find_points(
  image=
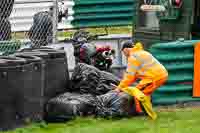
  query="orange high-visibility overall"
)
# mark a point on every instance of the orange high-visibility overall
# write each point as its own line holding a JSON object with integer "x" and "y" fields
{"x": 143, "y": 66}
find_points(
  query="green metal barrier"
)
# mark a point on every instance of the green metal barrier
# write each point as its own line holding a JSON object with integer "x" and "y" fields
{"x": 181, "y": 43}
{"x": 103, "y": 15}
{"x": 94, "y": 2}
{"x": 178, "y": 58}
{"x": 174, "y": 56}
{"x": 176, "y": 65}
{"x": 95, "y": 13}
{"x": 174, "y": 88}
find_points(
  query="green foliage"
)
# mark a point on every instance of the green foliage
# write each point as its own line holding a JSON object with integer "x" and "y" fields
{"x": 9, "y": 47}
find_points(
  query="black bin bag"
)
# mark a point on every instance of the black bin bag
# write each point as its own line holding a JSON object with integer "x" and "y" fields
{"x": 107, "y": 82}
{"x": 89, "y": 79}
{"x": 85, "y": 79}
{"x": 115, "y": 105}
{"x": 70, "y": 105}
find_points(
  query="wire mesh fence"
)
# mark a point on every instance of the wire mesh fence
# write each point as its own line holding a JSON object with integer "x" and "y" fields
{"x": 5, "y": 26}
{"x": 41, "y": 32}
{"x": 33, "y": 22}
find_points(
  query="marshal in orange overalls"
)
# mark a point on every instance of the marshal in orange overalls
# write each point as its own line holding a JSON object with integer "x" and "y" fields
{"x": 144, "y": 67}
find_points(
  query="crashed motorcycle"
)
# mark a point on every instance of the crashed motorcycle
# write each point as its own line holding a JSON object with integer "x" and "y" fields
{"x": 85, "y": 51}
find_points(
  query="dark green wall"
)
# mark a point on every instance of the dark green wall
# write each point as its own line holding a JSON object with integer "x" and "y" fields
{"x": 95, "y": 13}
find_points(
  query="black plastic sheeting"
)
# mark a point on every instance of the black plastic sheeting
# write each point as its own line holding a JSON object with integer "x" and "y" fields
{"x": 70, "y": 105}
{"x": 107, "y": 82}
{"x": 91, "y": 94}
{"x": 115, "y": 105}
{"x": 85, "y": 79}
{"x": 88, "y": 79}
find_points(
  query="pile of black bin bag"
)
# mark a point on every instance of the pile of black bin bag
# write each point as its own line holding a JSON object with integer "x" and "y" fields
{"x": 36, "y": 86}
{"x": 91, "y": 93}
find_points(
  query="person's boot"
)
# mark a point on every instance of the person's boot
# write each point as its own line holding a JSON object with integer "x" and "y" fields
{"x": 145, "y": 100}
{"x": 148, "y": 107}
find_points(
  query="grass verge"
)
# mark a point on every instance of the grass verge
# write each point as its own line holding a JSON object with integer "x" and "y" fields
{"x": 69, "y": 33}
{"x": 169, "y": 121}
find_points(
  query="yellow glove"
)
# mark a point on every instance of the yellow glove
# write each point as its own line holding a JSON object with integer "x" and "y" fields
{"x": 145, "y": 100}
{"x": 133, "y": 91}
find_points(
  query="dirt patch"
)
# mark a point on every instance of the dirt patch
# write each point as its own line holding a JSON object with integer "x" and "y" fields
{"x": 185, "y": 106}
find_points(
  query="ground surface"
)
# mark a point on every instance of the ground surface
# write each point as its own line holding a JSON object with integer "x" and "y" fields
{"x": 170, "y": 120}
{"x": 68, "y": 33}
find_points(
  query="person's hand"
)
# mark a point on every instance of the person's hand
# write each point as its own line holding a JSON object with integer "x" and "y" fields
{"x": 117, "y": 90}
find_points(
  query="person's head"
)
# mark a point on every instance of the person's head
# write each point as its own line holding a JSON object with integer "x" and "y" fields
{"x": 126, "y": 47}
